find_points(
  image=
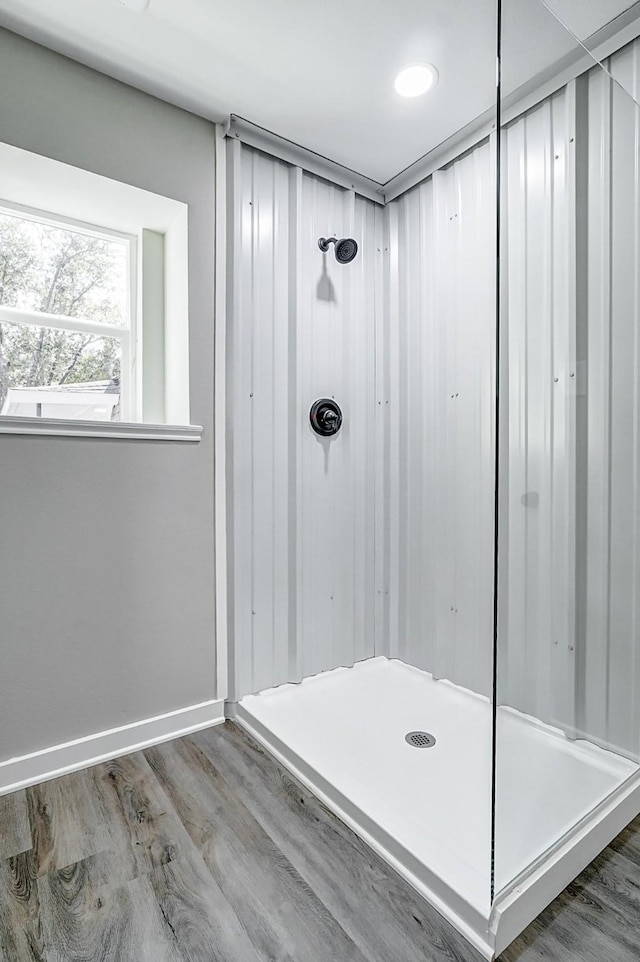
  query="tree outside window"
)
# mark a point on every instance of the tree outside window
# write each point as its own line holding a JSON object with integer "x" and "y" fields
{"x": 74, "y": 279}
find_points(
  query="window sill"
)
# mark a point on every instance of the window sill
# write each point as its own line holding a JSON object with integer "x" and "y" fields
{"x": 117, "y": 430}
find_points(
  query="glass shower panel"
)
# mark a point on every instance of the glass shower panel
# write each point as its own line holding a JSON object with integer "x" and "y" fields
{"x": 435, "y": 383}
{"x": 371, "y": 549}
{"x": 600, "y": 28}
{"x": 568, "y": 655}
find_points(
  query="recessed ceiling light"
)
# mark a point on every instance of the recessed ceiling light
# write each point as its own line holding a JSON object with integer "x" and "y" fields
{"x": 416, "y": 79}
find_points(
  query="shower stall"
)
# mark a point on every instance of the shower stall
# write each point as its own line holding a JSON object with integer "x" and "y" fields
{"x": 433, "y": 471}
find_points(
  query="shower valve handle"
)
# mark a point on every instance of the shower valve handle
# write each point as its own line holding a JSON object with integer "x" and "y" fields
{"x": 328, "y": 418}
{"x": 325, "y": 417}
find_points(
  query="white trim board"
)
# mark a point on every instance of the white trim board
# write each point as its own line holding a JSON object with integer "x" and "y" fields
{"x": 276, "y": 146}
{"x": 48, "y": 763}
{"x": 220, "y": 418}
{"x": 463, "y": 917}
{"x": 116, "y": 430}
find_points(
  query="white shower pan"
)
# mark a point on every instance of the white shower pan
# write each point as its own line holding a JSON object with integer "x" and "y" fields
{"x": 427, "y": 810}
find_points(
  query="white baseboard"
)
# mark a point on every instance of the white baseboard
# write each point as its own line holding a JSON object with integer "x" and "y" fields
{"x": 58, "y": 760}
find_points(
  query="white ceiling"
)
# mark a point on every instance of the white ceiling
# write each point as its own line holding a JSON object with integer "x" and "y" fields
{"x": 584, "y": 17}
{"x": 319, "y": 72}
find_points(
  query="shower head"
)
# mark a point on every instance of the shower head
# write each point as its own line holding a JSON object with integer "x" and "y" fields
{"x": 345, "y": 248}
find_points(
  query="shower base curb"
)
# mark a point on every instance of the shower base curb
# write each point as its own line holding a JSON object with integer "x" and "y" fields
{"x": 464, "y": 917}
{"x": 516, "y": 907}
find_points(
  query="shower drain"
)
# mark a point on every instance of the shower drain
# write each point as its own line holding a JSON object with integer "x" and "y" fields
{"x": 420, "y": 739}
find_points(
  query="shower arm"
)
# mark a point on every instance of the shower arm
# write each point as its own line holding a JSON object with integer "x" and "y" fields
{"x": 324, "y": 242}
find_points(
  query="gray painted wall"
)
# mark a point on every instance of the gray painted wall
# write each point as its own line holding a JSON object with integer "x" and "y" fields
{"x": 106, "y": 547}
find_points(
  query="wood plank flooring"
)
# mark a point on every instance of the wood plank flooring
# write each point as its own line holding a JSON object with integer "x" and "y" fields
{"x": 204, "y": 850}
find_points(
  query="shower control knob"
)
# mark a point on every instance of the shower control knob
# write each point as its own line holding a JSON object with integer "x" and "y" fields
{"x": 325, "y": 417}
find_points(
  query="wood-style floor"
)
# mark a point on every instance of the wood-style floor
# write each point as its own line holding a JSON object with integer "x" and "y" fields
{"x": 203, "y": 849}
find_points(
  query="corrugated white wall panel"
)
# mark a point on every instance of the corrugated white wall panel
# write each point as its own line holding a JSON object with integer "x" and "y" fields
{"x": 336, "y": 359}
{"x": 609, "y": 695}
{"x": 441, "y": 390}
{"x": 301, "y": 326}
{"x": 381, "y": 541}
{"x": 569, "y": 647}
{"x": 259, "y": 400}
{"x": 536, "y": 658}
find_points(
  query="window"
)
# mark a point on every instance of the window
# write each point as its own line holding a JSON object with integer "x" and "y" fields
{"x": 94, "y": 304}
{"x": 67, "y": 319}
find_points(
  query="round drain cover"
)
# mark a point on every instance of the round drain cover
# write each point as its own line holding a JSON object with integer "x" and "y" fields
{"x": 420, "y": 739}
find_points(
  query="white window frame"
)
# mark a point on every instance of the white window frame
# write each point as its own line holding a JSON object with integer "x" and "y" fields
{"x": 129, "y": 333}
{"x": 160, "y": 397}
